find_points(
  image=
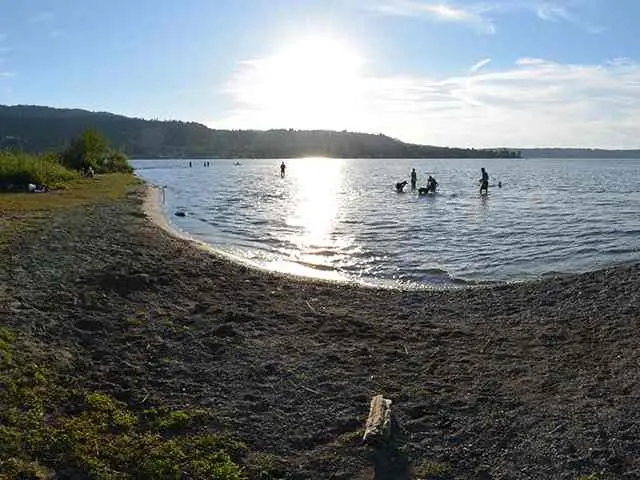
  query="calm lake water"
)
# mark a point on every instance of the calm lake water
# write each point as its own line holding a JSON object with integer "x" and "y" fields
{"x": 342, "y": 218}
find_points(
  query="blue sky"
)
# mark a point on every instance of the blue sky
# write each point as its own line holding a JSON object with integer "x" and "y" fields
{"x": 460, "y": 73}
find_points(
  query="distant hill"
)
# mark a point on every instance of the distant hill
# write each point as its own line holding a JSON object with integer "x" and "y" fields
{"x": 35, "y": 129}
{"x": 577, "y": 153}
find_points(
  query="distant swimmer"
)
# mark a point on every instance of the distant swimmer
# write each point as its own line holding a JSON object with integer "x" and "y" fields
{"x": 484, "y": 182}
{"x": 414, "y": 178}
{"x": 283, "y": 167}
{"x": 400, "y": 186}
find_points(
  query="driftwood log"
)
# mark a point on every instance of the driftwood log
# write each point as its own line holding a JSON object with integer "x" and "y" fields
{"x": 378, "y": 425}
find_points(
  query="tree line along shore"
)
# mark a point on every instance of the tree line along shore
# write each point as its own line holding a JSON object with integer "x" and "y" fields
{"x": 34, "y": 129}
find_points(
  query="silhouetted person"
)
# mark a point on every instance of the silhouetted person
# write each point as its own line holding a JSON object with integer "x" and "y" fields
{"x": 431, "y": 184}
{"x": 414, "y": 178}
{"x": 190, "y": 164}
{"x": 283, "y": 167}
{"x": 400, "y": 186}
{"x": 484, "y": 182}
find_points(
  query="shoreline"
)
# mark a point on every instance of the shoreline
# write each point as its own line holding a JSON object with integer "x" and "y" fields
{"x": 152, "y": 207}
{"x": 300, "y": 270}
{"x": 486, "y": 383}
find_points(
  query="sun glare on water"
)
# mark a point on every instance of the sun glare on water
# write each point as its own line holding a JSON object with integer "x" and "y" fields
{"x": 309, "y": 84}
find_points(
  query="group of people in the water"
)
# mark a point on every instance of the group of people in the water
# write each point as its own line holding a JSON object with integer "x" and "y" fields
{"x": 429, "y": 189}
{"x": 206, "y": 163}
{"x": 432, "y": 184}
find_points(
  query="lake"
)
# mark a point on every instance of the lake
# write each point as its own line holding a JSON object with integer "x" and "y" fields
{"x": 342, "y": 219}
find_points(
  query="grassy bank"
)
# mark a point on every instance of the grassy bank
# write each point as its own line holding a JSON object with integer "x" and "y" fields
{"x": 19, "y": 169}
{"x": 89, "y": 152}
{"x": 51, "y": 425}
{"x": 19, "y": 211}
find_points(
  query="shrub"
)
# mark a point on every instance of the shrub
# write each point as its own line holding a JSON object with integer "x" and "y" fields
{"x": 92, "y": 149}
{"x": 19, "y": 169}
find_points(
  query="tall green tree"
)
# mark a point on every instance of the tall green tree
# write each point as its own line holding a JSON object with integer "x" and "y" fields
{"x": 92, "y": 149}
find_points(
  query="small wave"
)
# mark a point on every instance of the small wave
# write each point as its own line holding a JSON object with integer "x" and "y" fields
{"x": 317, "y": 266}
{"x": 620, "y": 251}
{"x": 322, "y": 252}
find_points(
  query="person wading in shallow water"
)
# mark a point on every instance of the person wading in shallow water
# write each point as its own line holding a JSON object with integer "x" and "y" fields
{"x": 414, "y": 178}
{"x": 484, "y": 182}
{"x": 283, "y": 167}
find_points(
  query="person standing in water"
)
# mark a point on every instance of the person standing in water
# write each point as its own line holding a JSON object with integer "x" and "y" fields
{"x": 414, "y": 178}
{"x": 484, "y": 182}
{"x": 283, "y": 167}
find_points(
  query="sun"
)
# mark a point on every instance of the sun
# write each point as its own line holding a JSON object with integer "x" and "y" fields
{"x": 309, "y": 83}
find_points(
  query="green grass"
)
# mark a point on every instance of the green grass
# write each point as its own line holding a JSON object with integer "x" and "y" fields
{"x": 46, "y": 428}
{"x": 21, "y": 168}
{"x": 77, "y": 192}
{"x": 18, "y": 211}
{"x": 427, "y": 469}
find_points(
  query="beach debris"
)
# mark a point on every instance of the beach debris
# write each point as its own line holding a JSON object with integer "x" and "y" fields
{"x": 378, "y": 426}
{"x": 180, "y": 213}
{"x": 310, "y": 307}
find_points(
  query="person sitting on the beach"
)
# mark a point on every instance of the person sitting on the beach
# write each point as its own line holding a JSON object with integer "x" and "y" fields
{"x": 34, "y": 188}
{"x": 431, "y": 184}
{"x": 400, "y": 186}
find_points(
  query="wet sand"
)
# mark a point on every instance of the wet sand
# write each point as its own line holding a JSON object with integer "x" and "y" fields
{"x": 536, "y": 380}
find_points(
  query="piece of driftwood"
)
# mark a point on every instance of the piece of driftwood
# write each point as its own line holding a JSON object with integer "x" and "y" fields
{"x": 378, "y": 425}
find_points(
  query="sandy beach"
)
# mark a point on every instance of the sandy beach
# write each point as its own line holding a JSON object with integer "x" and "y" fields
{"x": 535, "y": 380}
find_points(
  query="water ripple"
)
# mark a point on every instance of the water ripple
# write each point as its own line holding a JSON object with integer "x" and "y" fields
{"x": 344, "y": 216}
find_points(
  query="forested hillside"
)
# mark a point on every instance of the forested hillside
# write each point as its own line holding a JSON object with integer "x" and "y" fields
{"x": 36, "y": 129}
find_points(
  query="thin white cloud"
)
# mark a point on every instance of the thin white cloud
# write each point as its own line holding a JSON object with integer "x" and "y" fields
{"x": 553, "y": 12}
{"x": 5, "y": 75}
{"x": 482, "y": 15}
{"x": 477, "y": 66}
{"x": 439, "y": 11}
{"x": 535, "y": 102}
{"x": 530, "y": 61}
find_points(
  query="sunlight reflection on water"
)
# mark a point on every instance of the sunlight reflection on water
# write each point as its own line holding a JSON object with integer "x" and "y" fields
{"x": 342, "y": 219}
